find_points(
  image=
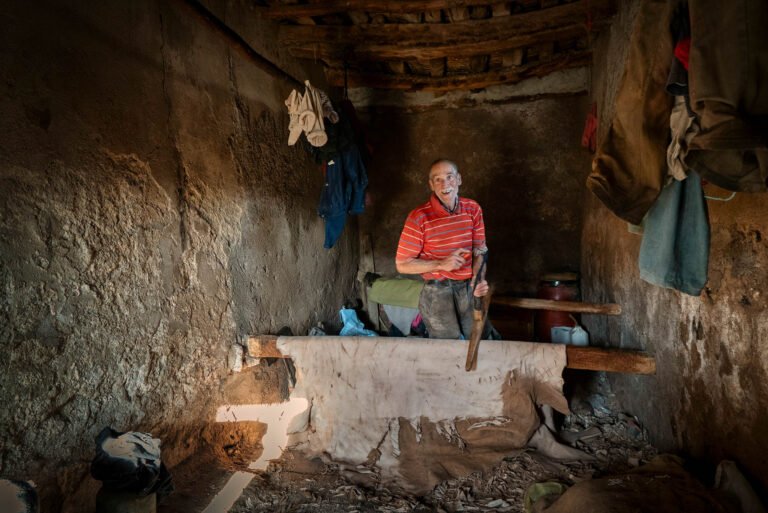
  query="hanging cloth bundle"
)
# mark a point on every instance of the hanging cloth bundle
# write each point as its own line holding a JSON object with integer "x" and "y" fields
{"x": 307, "y": 112}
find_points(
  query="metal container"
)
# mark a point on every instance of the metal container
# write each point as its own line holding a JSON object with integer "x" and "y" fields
{"x": 557, "y": 287}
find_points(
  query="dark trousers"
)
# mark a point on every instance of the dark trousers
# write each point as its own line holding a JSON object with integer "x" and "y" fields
{"x": 446, "y": 307}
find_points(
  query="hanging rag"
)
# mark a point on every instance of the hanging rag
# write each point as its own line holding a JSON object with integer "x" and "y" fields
{"x": 311, "y": 116}
{"x": 674, "y": 252}
{"x": 306, "y": 113}
{"x": 684, "y": 128}
{"x": 293, "y": 103}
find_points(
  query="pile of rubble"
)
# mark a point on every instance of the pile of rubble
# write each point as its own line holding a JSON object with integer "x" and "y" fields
{"x": 614, "y": 442}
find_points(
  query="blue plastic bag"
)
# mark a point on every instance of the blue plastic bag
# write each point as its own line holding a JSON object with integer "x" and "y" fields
{"x": 352, "y": 325}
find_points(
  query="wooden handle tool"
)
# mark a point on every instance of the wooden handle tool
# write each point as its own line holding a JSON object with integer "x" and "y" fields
{"x": 479, "y": 313}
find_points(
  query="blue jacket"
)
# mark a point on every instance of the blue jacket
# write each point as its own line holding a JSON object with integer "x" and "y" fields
{"x": 343, "y": 192}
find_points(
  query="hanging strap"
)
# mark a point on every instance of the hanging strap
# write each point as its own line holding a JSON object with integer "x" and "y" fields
{"x": 346, "y": 89}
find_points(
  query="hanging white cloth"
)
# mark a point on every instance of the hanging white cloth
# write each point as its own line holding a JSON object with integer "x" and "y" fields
{"x": 312, "y": 117}
{"x": 294, "y": 126}
{"x": 307, "y": 112}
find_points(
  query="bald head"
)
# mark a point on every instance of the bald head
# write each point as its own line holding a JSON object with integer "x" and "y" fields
{"x": 444, "y": 162}
{"x": 444, "y": 181}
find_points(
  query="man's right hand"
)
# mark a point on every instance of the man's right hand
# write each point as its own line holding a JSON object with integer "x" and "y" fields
{"x": 455, "y": 260}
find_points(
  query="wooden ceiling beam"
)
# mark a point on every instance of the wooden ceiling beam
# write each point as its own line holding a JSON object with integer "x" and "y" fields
{"x": 335, "y": 76}
{"x": 458, "y": 14}
{"x": 500, "y": 9}
{"x": 432, "y": 68}
{"x": 359, "y": 18}
{"x": 430, "y": 34}
{"x": 294, "y": 11}
{"x": 330, "y": 52}
{"x": 435, "y": 16}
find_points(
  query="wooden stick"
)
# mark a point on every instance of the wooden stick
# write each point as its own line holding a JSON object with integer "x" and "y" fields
{"x": 559, "y": 306}
{"x": 584, "y": 358}
{"x": 478, "y": 323}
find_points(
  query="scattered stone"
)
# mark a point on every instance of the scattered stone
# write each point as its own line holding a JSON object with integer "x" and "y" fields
{"x": 250, "y": 361}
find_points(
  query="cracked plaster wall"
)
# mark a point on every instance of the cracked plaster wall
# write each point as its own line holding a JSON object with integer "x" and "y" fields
{"x": 710, "y": 394}
{"x": 151, "y": 214}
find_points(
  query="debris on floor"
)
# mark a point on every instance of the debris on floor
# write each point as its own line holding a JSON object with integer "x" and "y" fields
{"x": 618, "y": 442}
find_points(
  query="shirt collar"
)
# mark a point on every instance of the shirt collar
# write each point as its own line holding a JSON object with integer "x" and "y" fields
{"x": 440, "y": 209}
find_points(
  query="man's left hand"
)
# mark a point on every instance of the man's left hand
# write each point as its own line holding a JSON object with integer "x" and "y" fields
{"x": 481, "y": 289}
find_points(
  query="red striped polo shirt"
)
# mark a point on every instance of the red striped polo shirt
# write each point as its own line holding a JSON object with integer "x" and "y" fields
{"x": 433, "y": 233}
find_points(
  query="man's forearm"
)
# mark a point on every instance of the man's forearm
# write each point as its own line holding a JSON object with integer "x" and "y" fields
{"x": 417, "y": 266}
{"x": 477, "y": 262}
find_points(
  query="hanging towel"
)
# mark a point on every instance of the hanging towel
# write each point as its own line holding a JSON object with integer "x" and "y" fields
{"x": 675, "y": 248}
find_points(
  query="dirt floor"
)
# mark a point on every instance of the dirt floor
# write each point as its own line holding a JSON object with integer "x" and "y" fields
{"x": 617, "y": 442}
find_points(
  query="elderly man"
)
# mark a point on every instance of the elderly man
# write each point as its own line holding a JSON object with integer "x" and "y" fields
{"x": 444, "y": 241}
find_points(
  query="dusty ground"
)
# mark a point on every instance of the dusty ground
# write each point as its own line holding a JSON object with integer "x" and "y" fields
{"x": 618, "y": 443}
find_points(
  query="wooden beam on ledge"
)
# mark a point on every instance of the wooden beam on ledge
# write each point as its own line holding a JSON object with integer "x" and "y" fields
{"x": 559, "y": 306}
{"x": 326, "y": 7}
{"x": 335, "y": 76}
{"x": 263, "y": 346}
{"x": 583, "y": 358}
{"x": 610, "y": 360}
{"x": 432, "y": 34}
{"x": 329, "y": 52}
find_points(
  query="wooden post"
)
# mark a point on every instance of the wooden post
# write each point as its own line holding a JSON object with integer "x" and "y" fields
{"x": 365, "y": 266}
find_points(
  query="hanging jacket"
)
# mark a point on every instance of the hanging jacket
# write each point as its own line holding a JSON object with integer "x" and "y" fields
{"x": 630, "y": 166}
{"x": 343, "y": 192}
{"x": 727, "y": 74}
{"x": 345, "y": 173}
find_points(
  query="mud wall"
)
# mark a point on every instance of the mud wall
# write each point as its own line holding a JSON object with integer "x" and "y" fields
{"x": 151, "y": 215}
{"x": 522, "y": 162}
{"x": 709, "y": 396}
